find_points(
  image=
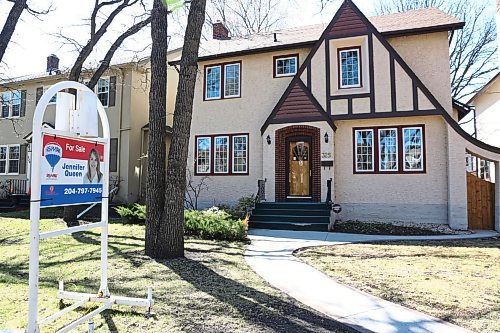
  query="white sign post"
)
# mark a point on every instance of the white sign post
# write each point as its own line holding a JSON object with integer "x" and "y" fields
{"x": 70, "y": 166}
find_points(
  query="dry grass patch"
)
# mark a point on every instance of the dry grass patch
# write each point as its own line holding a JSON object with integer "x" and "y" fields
{"x": 212, "y": 289}
{"x": 458, "y": 281}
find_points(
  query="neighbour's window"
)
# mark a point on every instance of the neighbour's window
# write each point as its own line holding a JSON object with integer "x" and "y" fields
{"x": 103, "y": 91}
{"x": 228, "y": 154}
{"x": 9, "y": 159}
{"x": 53, "y": 99}
{"x": 388, "y": 149}
{"x": 203, "y": 148}
{"x": 240, "y": 154}
{"x": 484, "y": 170}
{"x": 350, "y": 68}
{"x": 224, "y": 78}
{"x": 398, "y": 149}
{"x": 11, "y": 103}
{"x": 364, "y": 150}
{"x": 413, "y": 149}
{"x": 285, "y": 66}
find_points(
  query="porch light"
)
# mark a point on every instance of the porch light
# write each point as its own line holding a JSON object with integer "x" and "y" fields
{"x": 268, "y": 139}
{"x": 326, "y": 137}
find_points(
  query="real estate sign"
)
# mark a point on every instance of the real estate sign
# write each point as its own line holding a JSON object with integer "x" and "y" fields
{"x": 72, "y": 171}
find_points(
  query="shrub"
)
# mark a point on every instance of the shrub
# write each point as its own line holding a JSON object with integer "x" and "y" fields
{"x": 132, "y": 213}
{"x": 241, "y": 209}
{"x": 214, "y": 223}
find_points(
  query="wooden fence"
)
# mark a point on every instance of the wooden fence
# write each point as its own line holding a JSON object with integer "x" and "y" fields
{"x": 480, "y": 203}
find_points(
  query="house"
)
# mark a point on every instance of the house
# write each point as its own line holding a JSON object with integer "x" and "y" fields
{"x": 123, "y": 91}
{"x": 358, "y": 111}
{"x": 483, "y": 123}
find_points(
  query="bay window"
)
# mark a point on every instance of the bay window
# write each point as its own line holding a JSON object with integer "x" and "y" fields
{"x": 221, "y": 154}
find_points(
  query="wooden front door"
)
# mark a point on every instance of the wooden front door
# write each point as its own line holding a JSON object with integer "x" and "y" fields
{"x": 480, "y": 203}
{"x": 299, "y": 168}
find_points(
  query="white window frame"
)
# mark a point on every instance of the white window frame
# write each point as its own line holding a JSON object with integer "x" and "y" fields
{"x": 228, "y": 153}
{"x": 356, "y": 150}
{"x": 342, "y": 86}
{"x": 209, "y": 156}
{"x": 96, "y": 89}
{"x": 7, "y": 160}
{"x": 233, "y": 156}
{"x": 422, "y": 139}
{"x": 285, "y": 58}
{"x": 380, "y": 150}
{"x": 220, "y": 82}
{"x": 11, "y": 103}
{"x": 239, "y": 80}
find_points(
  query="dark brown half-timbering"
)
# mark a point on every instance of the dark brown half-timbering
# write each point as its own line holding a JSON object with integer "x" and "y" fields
{"x": 280, "y": 156}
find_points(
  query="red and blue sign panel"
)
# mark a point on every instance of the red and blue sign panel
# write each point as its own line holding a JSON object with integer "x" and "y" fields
{"x": 72, "y": 171}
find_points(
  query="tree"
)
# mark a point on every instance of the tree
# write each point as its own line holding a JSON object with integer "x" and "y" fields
{"x": 97, "y": 32}
{"x": 243, "y": 17}
{"x": 165, "y": 237}
{"x": 11, "y": 22}
{"x": 471, "y": 49}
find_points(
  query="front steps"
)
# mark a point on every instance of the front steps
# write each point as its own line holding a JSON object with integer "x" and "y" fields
{"x": 302, "y": 216}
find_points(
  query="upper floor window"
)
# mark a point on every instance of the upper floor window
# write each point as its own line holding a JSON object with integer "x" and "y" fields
{"x": 285, "y": 65}
{"x": 350, "y": 68}
{"x": 11, "y": 104}
{"x": 398, "y": 149}
{"x": 103, "y": 91}
{"x": 223, "y": 81}
{"x": 53, "y": 99}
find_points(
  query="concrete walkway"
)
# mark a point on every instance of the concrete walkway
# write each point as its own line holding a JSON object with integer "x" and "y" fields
{"x": 270, "y": 255}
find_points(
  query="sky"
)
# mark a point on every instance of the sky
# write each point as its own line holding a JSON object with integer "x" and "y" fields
{"x": 36, "y": 38}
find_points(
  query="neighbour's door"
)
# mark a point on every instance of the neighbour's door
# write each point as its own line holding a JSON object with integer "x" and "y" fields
{"x": 299, "y": 168}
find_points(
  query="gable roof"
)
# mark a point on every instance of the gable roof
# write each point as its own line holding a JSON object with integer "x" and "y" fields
{"x": 399, "y": 24}
{"x": 484, "y": 88}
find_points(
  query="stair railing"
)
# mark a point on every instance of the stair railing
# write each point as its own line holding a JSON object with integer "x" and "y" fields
{"x": 261, "y": 190}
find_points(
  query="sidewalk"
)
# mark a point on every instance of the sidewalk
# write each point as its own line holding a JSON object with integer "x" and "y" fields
{"x": 270, "y": 255}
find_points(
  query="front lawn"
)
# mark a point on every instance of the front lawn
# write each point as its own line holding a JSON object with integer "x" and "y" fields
{"x": 455, "y": 280}
{"x": 211, "y": 290}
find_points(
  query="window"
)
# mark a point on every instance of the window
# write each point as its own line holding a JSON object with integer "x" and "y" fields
{"x": 11, "y": 104}
{"x": 484, "y": 170}
{"x": 388, "y": 149}
{"x": 240, "y": 154}
{"x": 9, "y": 159}
{"x": 364, "y": 150}
{"x": 221, "y": 154}
{"x": 285, "y": 65}
{"x": 413, "y": 149}
{"x": 221, "y": 158}
{"x": 349, "y": 68}
{"x": 203, "y": 148}
{"x": 397, "y": 149}
{"x": 223, "y": 81}
{"x": 103, "y": 91}
{"x": 53, "y": 100}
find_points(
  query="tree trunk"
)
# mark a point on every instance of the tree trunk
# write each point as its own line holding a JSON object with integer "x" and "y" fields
{"x": 155, "y": 189}
{"x": 170, "y": 235}
{"x": 10, "y": 25}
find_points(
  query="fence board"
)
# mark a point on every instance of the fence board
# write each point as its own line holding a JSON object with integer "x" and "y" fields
{"x": 480, "y": 203}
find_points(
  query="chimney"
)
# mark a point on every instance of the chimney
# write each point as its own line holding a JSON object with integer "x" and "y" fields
{"x": 52, "y": 64}
{"x": 220, "y": 32}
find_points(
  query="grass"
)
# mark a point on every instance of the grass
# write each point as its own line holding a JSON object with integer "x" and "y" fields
{"x": 455, "y": 280}
{"x": 212, "y": 289}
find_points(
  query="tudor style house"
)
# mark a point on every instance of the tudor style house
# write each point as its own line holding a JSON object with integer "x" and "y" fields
{"x": 122, "y": 90}
{"x": 357, "y": 111}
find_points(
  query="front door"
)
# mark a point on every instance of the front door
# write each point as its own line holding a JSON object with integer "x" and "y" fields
{"x": 299, "y": 168}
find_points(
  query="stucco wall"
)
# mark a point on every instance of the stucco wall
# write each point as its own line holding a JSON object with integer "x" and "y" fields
{"x": 428, "y": 56}
{"x": 397, "y": 197}
{"x": 259, "y": 94}
{"x": 487, "y": 115}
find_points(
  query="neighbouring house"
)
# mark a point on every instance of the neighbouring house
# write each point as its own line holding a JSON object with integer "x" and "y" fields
{"x": 123, "y": 91}
{"x": 483, "y": 122}
{"x": 358, "y": 111}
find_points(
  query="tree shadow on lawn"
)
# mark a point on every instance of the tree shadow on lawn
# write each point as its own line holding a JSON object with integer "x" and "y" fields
{"x": 267, "y": 311}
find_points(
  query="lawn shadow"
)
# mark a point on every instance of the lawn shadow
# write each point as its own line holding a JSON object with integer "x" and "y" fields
{"x": 268, "y": 311}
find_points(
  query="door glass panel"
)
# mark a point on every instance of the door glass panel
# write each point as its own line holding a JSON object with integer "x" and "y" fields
{"x": 299, "y": 168}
